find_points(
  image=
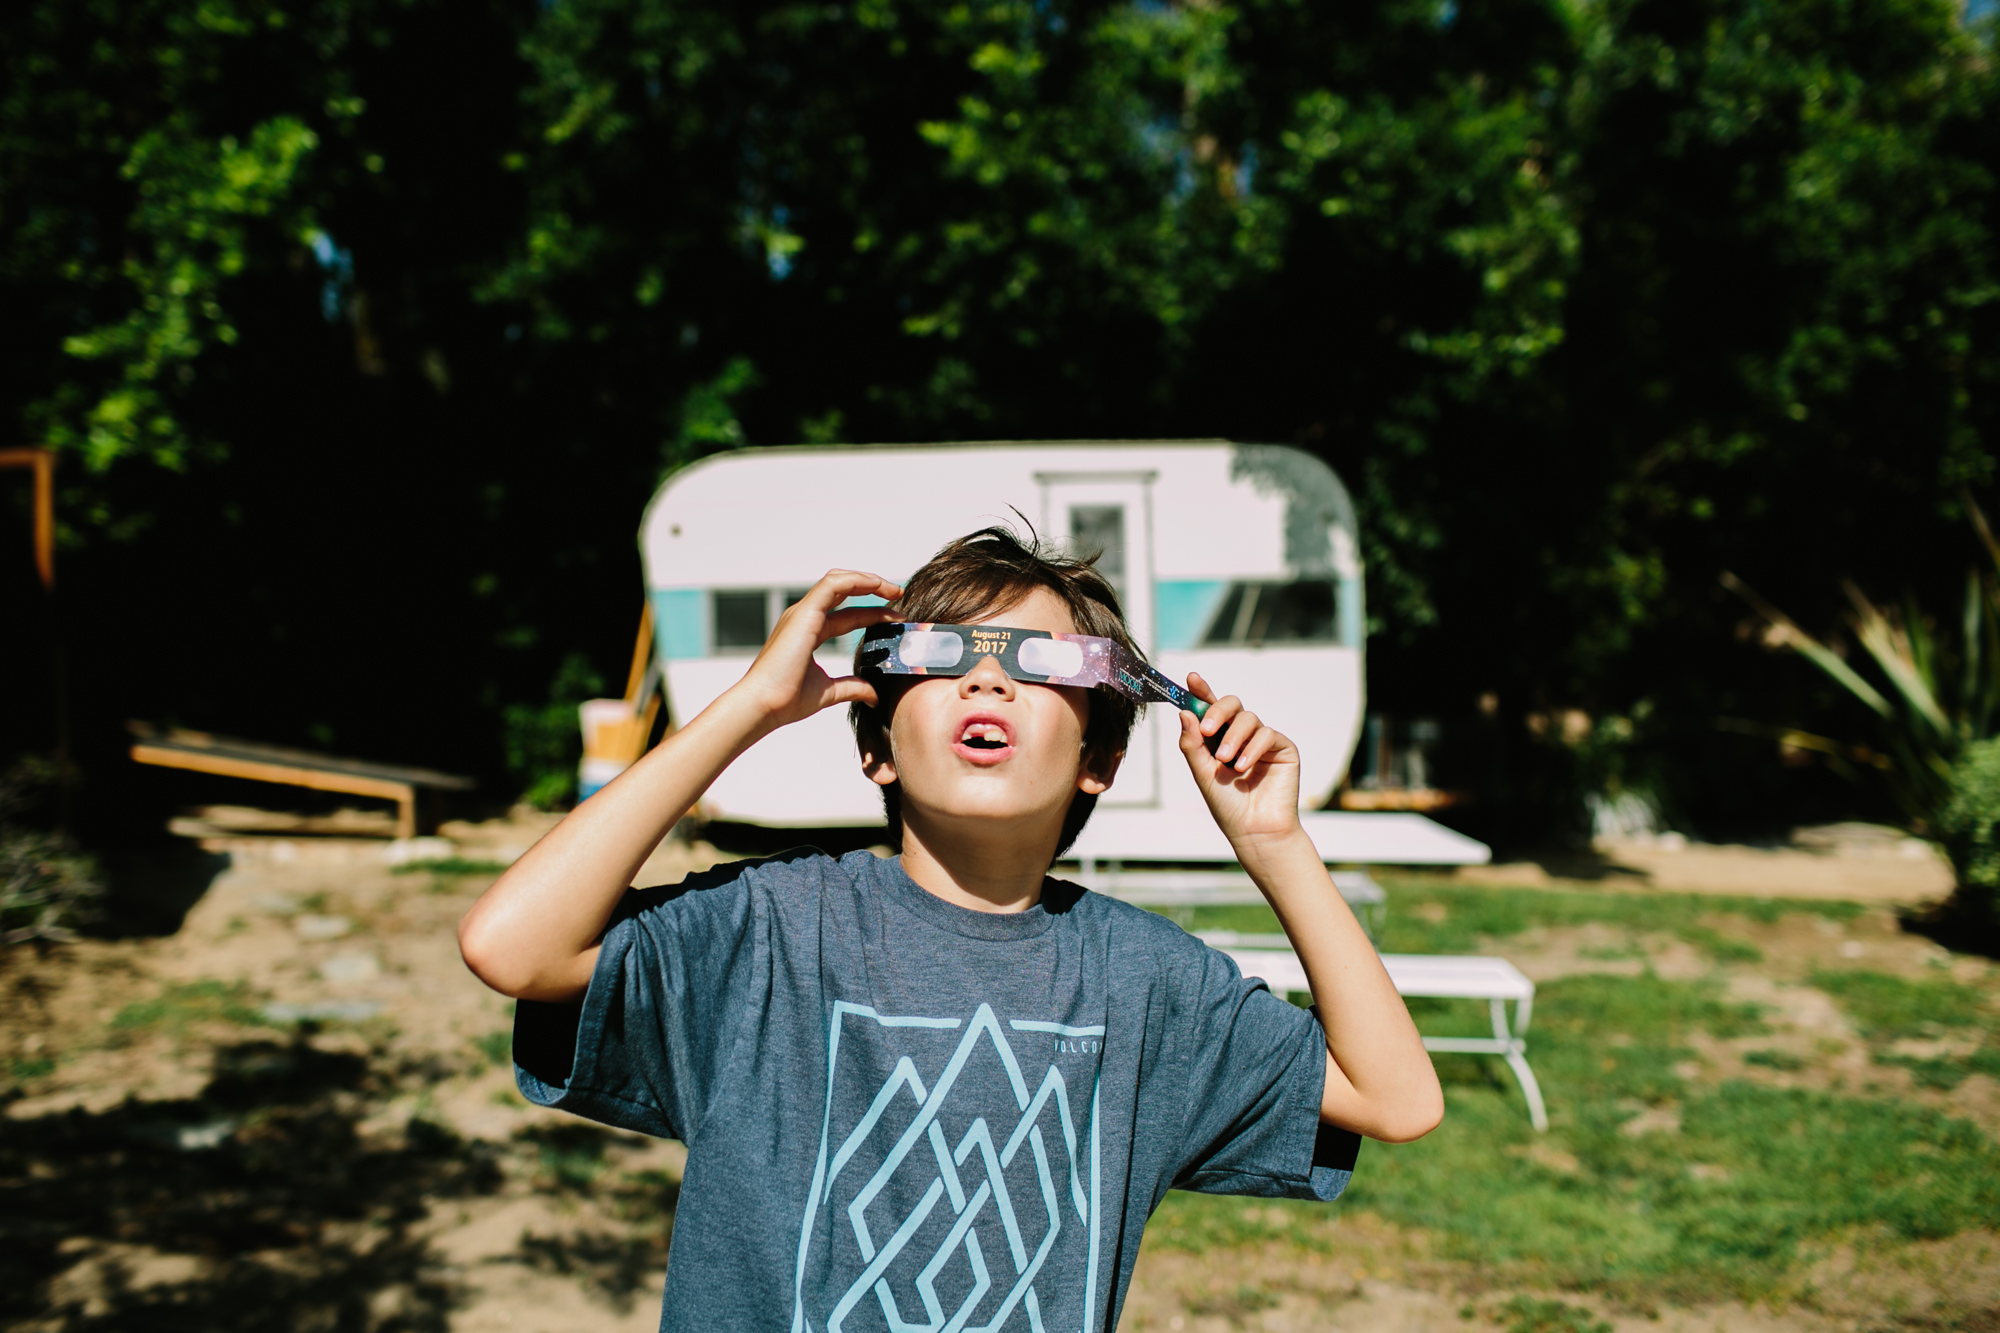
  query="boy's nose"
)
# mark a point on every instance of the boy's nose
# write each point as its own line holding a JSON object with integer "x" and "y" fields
{"x": 986, "y": 678}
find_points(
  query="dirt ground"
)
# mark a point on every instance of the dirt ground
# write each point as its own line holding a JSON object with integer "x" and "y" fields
{"x": 1850, "y": 862}
{"x": 295, "y": 1112}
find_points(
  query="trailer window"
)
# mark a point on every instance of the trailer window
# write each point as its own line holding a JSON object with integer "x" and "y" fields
{"x": 742, "y": 620}
{"x": 1099, "y": 530}
{"x": 1258, "y": 613}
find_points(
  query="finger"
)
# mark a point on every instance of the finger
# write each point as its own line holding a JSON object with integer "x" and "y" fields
{"x": 854, "y": 580}
{"x": 1241, "y": 728}
{"x": 1260, "y": 745}
{"x": 837, "y": 585}
{"x": 851, "y": 690}
{"x": 1199, "y": 749}
{"x": 1209, "y": 725}
{"x": 851, "y": 618}
{"x": 1220, "y": 716}
{"x": 832, "y": 623}
{"x": 1219, "y": 713}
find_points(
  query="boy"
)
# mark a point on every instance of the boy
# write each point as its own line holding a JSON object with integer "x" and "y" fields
{"x": 943, "y": 1091}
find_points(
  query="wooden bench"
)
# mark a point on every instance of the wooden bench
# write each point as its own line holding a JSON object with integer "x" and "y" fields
{"x": 1434, "y": 976}
{"x": 200, "y": 752}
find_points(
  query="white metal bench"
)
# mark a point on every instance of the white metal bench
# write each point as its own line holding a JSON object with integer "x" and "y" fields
{"x": 1177, "y": 892}
{"x": 1436, "y": 976}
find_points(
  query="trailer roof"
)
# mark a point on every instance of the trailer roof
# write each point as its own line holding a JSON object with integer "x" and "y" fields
{"x": 772, "y": 514}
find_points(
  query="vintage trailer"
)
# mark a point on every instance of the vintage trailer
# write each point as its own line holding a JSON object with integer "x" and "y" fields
{"x": 1235, "y": 560}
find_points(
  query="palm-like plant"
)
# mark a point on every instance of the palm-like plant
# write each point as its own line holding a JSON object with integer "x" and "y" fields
{"x": 1926, "y": 718}
{"x": 1936, "y": 699}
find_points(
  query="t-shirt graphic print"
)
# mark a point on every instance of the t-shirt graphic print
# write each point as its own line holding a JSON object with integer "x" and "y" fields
{"x": 970, "y": 1172}
{"x": 901, "y": 1114}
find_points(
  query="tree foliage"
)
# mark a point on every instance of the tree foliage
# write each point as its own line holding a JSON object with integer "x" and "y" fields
{"x": 1585, "y": 302}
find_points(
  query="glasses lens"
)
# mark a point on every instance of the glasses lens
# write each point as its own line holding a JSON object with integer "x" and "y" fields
{"x": 1051, "y": 657}
{"x": 930, "y": 648}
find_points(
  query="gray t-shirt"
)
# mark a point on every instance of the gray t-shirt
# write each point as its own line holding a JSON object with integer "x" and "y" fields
{"x": 901, "y": 1114}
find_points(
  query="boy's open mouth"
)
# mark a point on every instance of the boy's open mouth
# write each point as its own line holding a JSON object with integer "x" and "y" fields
{"x": 983, "y": 740}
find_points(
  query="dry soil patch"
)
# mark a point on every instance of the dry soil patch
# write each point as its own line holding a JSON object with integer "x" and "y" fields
{"x": 541, "y": 1224}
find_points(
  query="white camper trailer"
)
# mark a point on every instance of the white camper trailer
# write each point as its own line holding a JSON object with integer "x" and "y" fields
{"x": 1235, "y": 560}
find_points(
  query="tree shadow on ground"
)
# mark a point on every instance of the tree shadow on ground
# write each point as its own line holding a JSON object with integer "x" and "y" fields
{"x": 1966, "y": 922}
{"x": 1586, "y": 864}
{"x": 612, "y": 1268}
{"x": 575, "y": 1159}
{"x": 149, "y": 891}
{"x": 257, "y": 1205}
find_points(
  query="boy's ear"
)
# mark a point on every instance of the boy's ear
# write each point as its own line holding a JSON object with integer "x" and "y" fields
{"x": 1094, "y": 776}
{"x": 876, "y": 763}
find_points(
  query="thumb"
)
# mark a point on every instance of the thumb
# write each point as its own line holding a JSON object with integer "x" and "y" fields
{"x": 1191, "y": 737}
{"x": 851, "y": 689}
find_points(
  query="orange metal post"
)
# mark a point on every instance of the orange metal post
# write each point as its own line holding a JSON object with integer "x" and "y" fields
{"x": 43, "y": 461}
{"x": 642, "y": 654}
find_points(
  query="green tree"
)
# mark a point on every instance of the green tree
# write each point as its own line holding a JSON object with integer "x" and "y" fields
{"x": 1586, "y": 303}
{"x": 134, "y": 173}
{"x": 1781, "y": 337}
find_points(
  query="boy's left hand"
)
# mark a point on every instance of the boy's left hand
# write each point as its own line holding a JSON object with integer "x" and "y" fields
{"x": 1251, "y": 779}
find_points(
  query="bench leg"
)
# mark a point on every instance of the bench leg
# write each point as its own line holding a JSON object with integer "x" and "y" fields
{"x": 1518, "y": 1062}
{"x": 427, "y": 810}
{"x": 1538, "y": 1115}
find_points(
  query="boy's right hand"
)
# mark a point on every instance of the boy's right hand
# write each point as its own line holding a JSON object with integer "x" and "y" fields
{"x": 785, "y": 684}
{"x": 534, "y": 934}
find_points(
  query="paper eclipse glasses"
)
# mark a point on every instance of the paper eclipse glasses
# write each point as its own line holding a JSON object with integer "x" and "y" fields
{"x": 1032, "y": 655}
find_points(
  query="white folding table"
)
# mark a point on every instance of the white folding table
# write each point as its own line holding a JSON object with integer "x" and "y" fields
{"x": 1177, "y": 859}
{"x": 1176, "y": 893}
{"x": 1435, "y": 976}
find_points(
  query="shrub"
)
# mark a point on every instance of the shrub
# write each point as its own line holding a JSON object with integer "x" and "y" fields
{"x": 47, "y": 886}
{"x": 1970, "y": 827}
{"x": 1935, "y": 694}
{"x": 545, "y": 741}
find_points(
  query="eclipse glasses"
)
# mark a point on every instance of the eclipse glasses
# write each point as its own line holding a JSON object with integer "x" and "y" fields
{"x": 1032, "y": 655}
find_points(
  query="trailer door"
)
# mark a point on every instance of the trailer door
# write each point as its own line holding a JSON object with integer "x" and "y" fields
{"x": 1110, "y": 515}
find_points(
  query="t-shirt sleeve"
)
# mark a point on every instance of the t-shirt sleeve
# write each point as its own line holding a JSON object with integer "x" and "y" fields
{"x": 647, "y": 1046}
{"x": 1256, "y": 1069}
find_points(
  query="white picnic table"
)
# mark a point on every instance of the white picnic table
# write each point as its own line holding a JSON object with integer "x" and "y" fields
{"x": 1178, "y": 892}
{"x": 1186, "y": 833}
{"x": 1435, "y": 976}
{"x": 1178, "y": 860}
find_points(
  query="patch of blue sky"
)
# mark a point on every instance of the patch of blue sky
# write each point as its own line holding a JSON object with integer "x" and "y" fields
{"x": 337, "y": 263}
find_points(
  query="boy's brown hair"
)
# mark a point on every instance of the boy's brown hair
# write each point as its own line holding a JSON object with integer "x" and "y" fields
{"x": 982, "y": 575}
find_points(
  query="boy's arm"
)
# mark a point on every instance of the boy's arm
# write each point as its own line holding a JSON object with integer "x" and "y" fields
{"x": 1379, "y": 1078}
{"x": 534, "y": 934}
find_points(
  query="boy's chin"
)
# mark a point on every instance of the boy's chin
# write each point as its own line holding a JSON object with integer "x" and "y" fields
{"x": 990, "y": 808}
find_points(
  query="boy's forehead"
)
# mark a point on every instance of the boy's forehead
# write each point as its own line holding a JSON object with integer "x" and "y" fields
{"x": 1040, "y": 609}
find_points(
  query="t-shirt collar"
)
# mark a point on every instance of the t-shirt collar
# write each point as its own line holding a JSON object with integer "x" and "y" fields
{"x": 896, "y": 885}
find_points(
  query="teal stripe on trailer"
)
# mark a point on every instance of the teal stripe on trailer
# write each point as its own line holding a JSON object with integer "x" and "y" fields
{"x": 680, "y": 622}
{"x": 1183, "y": 610}
{"x": 1352, "y": 631}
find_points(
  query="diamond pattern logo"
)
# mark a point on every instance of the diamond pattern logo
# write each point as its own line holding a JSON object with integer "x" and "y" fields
{"x": 963, "y": 1198}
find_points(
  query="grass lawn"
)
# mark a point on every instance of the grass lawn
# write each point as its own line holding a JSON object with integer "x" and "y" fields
{"x": 1659, "y": 1179}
